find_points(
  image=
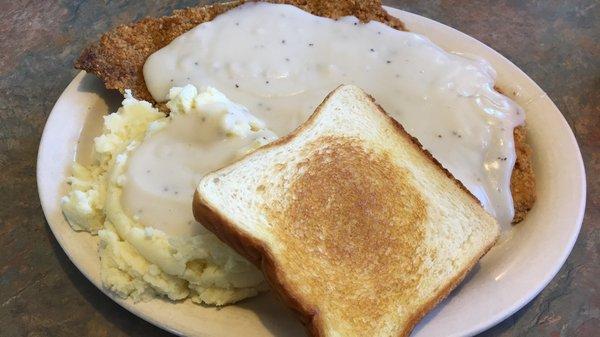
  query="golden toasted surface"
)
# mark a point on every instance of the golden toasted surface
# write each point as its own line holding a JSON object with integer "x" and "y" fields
{"x": 119, "y": 57}
{"x": 348, "y": 233}
{"x": 352, "y": 210}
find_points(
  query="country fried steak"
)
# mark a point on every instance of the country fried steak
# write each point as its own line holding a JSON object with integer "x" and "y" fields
{"x": 119, "y": 56}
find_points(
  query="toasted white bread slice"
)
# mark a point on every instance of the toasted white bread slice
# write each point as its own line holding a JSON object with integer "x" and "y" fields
{"x": 358, "y": 229}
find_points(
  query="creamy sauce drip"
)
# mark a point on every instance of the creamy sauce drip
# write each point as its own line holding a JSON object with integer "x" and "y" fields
{"x": 164, "y": 170}
{"x": 281, "y": 62}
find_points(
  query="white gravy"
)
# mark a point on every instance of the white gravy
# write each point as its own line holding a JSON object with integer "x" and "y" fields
{"x": 280, "y": 62}
{"x": 164, "y": 170}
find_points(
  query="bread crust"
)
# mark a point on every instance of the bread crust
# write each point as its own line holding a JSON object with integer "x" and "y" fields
{"x": 260, "y": 255}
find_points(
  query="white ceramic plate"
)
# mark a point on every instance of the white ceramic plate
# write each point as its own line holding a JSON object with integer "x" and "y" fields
{"x": 507, "y": 278}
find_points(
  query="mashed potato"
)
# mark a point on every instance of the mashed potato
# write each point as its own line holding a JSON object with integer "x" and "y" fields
{"x": 141, "y": 257}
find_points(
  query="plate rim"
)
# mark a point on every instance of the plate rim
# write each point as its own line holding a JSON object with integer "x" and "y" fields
{"x": 482, "y": 326}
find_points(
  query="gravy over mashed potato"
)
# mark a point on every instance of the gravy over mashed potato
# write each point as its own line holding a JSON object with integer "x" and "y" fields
{"x": 137, "y": 196}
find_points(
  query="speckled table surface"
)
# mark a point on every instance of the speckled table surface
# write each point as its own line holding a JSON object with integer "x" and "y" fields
{"x": 557, "y": 43}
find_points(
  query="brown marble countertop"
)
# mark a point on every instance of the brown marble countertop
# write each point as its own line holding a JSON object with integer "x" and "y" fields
{"x": 556, "y": 42}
